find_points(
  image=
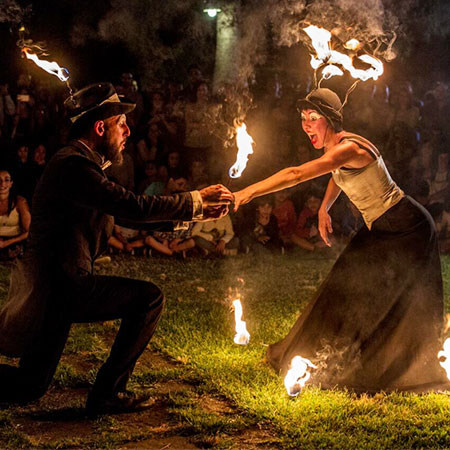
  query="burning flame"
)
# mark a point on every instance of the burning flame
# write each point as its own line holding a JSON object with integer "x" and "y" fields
{"x": 445, "y": 354}
{"x": 297, "y": 375}
{"x": 245, "y": 147}
{"x": 325, "y": 55}
{"x": 242, "y": 336}
{"x": 352, "y": 44}
{"x": 50, "y": 67}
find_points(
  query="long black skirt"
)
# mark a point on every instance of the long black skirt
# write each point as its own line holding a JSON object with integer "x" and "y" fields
{"x": 376, "y": 322}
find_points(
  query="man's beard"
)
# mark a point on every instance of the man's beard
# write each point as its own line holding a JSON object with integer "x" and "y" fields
{"x": 111, "y": 153}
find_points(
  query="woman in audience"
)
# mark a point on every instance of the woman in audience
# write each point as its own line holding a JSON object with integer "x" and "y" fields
{"x": 14, "y": 218}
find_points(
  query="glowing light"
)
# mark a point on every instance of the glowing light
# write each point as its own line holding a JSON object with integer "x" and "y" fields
{"x": 242, "y": 336}
{"x": 50, "y": 67}
{"x": 331, "y": 71}
{"x": 212, "y": 12}
{"x": 298, "y": 375}
{"x": 326, "y": 56}
{"x": 352, "y": 44}
{"x": 245, "y": 147}
{"x": 445, "y": 353}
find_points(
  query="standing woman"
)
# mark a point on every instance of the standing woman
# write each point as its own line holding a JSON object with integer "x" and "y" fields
{"x": 14, "y": 219}
{"x": 375, "y": 323}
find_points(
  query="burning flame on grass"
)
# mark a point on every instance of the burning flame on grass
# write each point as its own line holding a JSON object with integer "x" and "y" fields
{"x": 245, "y": 147}
{"x": 298, "y": 375}
{"x": 242, "y": 336}
{"x": 444, "y": 355}
{"x": 327, "y": 57}
{"x": 50, "y": 67}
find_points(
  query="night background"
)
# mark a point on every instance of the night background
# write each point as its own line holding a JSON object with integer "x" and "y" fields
{"x": 160, "y": 39}
{"x": 195, "y": 80}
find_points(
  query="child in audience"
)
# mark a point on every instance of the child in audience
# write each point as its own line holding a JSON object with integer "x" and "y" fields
{"x": 306, "y": 234}
{"x": 216, "y": 237}
{"x": 284, "y": 211}
{"x": 260, "y": 231}
{"x": 126, "y": 239}
{"x": 151, "y": 184}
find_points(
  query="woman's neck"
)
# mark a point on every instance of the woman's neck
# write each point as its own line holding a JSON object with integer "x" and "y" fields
{"x": 331, "y": 139}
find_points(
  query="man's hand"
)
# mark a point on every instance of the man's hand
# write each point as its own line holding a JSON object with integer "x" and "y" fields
{"x": 216, "y": 195}
{"x": 214, "y": 212}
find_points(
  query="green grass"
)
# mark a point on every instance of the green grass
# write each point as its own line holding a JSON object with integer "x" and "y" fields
{"x": 197, "y": 330}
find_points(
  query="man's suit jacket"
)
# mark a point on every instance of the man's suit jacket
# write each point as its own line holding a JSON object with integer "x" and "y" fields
{"x": 72, "y": 217}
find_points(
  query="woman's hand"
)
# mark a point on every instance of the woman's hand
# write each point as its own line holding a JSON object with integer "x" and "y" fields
{"x": 216, "y": 195}
{"x": 241, "y": 198}
{"x": 325, "y": 226}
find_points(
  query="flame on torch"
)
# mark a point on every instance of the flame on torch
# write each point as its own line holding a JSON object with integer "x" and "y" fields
{"x": 325, "y": 55}
{"x": 297, "y": 375}
{"x": 242, "y": 336}
{"x": 245, "y": 147}
{"x": 50, "y": 67}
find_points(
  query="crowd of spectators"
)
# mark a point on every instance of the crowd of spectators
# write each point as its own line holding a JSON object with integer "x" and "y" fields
{"x": 180, "y": 140}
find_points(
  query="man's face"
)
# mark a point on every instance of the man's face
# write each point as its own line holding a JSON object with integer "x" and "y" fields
{"x": 115, "y": 137}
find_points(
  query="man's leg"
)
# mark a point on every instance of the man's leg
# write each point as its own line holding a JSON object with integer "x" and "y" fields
{"x": 38, "y": 363}
{"x": 138, "y": 303}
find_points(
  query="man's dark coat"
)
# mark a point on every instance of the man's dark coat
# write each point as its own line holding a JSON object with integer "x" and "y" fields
{"x": 72, "y": 217}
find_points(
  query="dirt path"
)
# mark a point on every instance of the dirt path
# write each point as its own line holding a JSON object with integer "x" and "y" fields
{"x": 58, "y": 419}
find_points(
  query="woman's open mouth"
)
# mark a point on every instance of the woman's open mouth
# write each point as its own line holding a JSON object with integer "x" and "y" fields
{"x": 313, "y": 138}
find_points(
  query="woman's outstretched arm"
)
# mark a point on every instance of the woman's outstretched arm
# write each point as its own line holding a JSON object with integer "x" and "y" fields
{"x": 339, "y": 156}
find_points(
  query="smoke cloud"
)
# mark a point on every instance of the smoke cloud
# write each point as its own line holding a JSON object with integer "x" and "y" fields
{"x": 11, "y": 12}
{"x": 160, "y": 33}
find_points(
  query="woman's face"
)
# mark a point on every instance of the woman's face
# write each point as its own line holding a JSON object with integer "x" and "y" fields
{"x": 315, "y": 126}
{"x": 22, "y": 153}
{"x": 202, "y": 92}
{"x": 173, "y": 159}
{"x": 265, "y": 209}
{"x": 39, "y": 154}
{"x": 5, "y": 182}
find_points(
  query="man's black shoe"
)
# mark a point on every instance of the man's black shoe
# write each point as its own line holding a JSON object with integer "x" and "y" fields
{"x": 121, "y": 402}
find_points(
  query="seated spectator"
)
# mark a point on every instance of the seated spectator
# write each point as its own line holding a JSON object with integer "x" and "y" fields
{"x": 126, "y": 239}
{"x": 284, "y": 211}
{"x": 151, "y": 184}
{"x": 149, "y": 148}
{"x": 22, "y": 171}
{"x": 198, "y": 179}
{"x": 306, "y": 234}
{"x": 172, "y": 242}
{"x": 443, "y": 226}
{"x": 216, "y": 237}
{"x": 439, "y": 185}
{"x": 201, "y": 119}
{"x": 38, "y": 162}
{"x": 260, "y": 231}
{"x": 174, "y": 168}
{"x": 14, "y": 219}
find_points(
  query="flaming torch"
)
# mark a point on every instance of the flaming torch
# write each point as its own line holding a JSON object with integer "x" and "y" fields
{"x": 32, "y": 51}
{"x": 298, "y": 375}
{"x": 245, "y": 148}
{"x": 331, "y": 60}
{"x": 242, "y": 336}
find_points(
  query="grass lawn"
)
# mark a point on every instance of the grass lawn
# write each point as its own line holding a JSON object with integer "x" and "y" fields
{"x": 196, "y": 334}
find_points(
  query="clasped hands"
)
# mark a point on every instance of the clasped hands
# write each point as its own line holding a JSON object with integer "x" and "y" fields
{"x": 216, "y": 201}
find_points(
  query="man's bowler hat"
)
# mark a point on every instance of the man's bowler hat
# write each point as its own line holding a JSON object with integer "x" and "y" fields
{"x": 327, "y": 103}
{"x": 96, "y": 102}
